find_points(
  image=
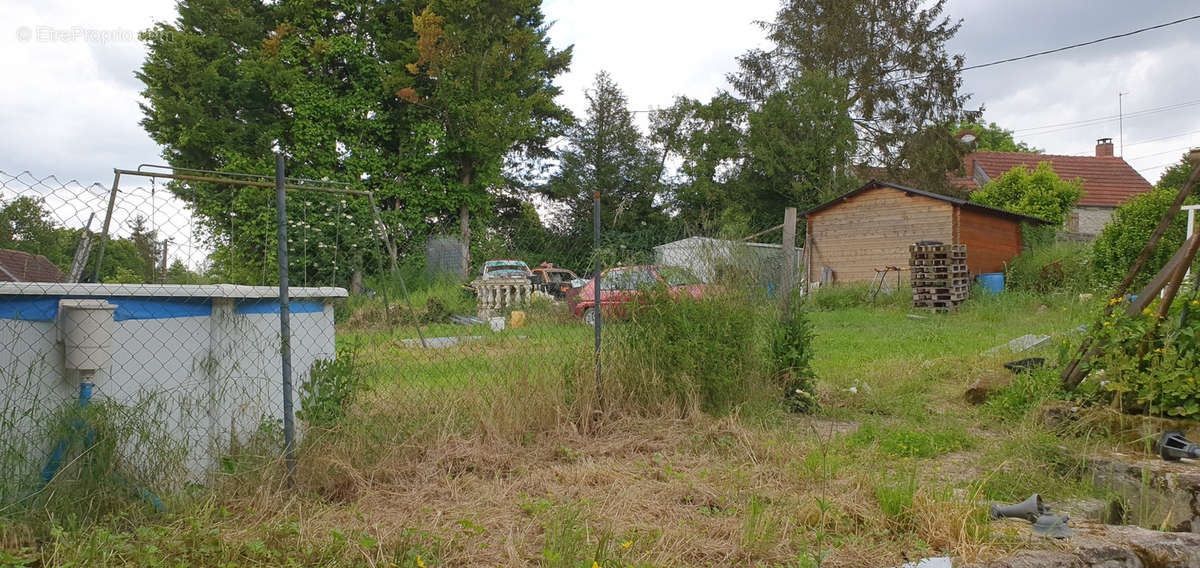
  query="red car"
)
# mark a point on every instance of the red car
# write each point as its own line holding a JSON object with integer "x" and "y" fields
{"x": 622, "y": 285}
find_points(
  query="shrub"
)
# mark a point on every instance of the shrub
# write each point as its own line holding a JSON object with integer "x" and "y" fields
{"x": 1065, "y": 267}
{"x": 683, "y": 349}
{"x": 791, "y": 360}
{"x": 1156, "y": 377}
{"x": 1123, "y": 238}
{"x": 331, "y": 388}
{"x": 1039, "y": 193}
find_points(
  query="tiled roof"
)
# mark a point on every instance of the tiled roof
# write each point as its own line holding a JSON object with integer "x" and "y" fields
{"x": 986, "y": 209}
{"x": 1107, "y": 181}
{"x": 17, "y": 266}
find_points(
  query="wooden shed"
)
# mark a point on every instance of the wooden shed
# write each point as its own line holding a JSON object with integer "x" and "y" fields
{"x": 872, "y": 227}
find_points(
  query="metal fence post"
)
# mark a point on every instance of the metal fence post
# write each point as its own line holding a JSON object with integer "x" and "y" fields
{"x": 285, "y": 324}
{"x": 112, "y": 201}
{"x": 596, "y": 286}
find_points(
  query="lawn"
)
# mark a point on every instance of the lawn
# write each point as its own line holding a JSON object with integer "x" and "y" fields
{"x": 483, "y": 467}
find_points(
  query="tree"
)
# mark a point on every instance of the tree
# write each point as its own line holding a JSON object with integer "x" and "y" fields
{"x": 1122, "y": 239}
{"x": 1038, "y": 193}
{"x": 798, "y": 147}
{"x": 232, "y": 80}
{"x": 741, "y": 165}
{"x": 145, "y": 240}
{"x": 485, "y": 71}
{"x": 993, "y": 138}
{"x": 606, "y": 153}
{"x": 27, "y": 225}
{"x": 707, "y": 140}
{"x": 1175, "y": 176}
{"x": 900, "y": 81}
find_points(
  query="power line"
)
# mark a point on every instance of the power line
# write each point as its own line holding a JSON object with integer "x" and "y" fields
{"x": 1059, "y": 49}
{"x": 1101, "y": 119}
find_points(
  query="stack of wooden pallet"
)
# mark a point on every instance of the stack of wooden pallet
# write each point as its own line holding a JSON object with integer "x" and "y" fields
{"x": 939, "y": 275}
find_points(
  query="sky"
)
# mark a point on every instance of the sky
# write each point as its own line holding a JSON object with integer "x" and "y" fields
{"x": 69, "y": 98}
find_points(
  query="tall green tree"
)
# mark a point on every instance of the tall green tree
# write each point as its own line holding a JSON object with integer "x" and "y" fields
{"x": 742, "y": 164}
{"x": 420, "y": 108}
{"x": 606, "y": 153}
{"x": 484, "y": 70}
{"x": 798, "y": 147}
{"x": 145, "y": 240}
{"x": 706, "y": 141}
{"x": 902, "y": 86}
{"x": 1038, "y": 193}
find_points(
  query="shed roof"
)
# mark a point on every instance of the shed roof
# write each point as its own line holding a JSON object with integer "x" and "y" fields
{"x": 912, "y": 191}
{"x": 18, "y": 266}
{"x": 1108, "y": 181}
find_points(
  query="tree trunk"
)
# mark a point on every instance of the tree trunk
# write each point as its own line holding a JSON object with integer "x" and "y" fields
{"x": 464, "y": 219}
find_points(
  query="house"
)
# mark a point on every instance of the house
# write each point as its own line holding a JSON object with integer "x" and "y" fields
{"x": 1108, "y": 181}
{"x": 873, "y": 226}
{"x": 18, "y": 266}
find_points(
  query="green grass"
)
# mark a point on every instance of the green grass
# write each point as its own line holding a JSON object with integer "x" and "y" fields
{"x": 769, "y": 488}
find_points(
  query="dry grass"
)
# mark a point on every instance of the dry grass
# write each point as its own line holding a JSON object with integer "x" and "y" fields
{"x": 680, "y": 491}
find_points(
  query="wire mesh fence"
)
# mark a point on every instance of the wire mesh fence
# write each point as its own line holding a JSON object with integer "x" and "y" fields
{"x": 159, "y": 362}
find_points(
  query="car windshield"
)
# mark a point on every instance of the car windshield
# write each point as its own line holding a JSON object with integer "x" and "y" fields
{"x": 677, "y": 276}
{"x": 506, "y": 267}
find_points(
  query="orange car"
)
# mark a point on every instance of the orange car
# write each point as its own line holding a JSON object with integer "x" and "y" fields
{"x": 622, "y": 285}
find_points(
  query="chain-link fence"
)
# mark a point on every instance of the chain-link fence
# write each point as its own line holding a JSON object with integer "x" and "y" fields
{"x": 140, "y": 328}
{"x": 148, "y": 355}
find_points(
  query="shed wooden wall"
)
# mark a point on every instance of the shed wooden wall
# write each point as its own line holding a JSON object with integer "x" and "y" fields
{"x": 873, "y": 229}
{"x": 991, "y": 241}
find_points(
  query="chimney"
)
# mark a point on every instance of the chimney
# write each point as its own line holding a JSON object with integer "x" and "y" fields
{"x": 1104, "y": 148}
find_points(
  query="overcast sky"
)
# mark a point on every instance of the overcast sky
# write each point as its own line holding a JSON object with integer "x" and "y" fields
{"x": 69, "y": 99}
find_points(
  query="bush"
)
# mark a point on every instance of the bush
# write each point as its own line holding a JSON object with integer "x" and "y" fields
{"x": 681, "y": 350}
{"x": 1122, "y": 240}
{"x": 331, "y": 388}
{"x": 1157, "y": 377}
{"x": 791, "y": 360}
{"x": 1039, "y": 193}
{"x": 1065, "y": 267}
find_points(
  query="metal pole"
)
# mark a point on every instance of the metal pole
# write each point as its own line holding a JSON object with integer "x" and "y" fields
{"x": 596, "y": 284}
{"x": 285, "y": 324}
{"x": 112, "y": 201}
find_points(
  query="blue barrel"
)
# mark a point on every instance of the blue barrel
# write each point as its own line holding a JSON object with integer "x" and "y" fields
{"x": 992, "y": 282}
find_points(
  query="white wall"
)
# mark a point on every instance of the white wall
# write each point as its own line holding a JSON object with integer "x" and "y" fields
{"x": 190, "y": 387}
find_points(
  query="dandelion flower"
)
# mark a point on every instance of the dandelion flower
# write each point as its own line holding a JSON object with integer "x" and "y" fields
{"x": 595, "y": 564}
{"x": 1108, "y": 323}
{"x": 420, "y": 563}
{"x": 627, "y": 544}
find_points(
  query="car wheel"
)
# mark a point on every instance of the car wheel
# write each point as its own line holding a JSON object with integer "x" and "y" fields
{"x": 589, "y": 317}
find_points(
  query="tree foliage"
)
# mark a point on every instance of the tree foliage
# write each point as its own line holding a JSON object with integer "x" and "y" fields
{"x": 418, "y": 101}
{"x": 27, "y": 225}
{"x": 743, "y": 164}
{"x": 484, "y": 70}
{"x": 993, "y": 138}
{"x": 1038, "y": 193}
{"x": 1122, "y": 239}
{"x": 606, "y": 153}
{"x": 899, "y": 79}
